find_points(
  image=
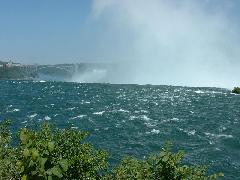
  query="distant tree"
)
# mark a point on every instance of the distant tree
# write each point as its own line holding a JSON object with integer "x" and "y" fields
{"x": 236, "y": 90}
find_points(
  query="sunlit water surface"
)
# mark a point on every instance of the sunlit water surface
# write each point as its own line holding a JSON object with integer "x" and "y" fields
{"x": 135, "y": 119}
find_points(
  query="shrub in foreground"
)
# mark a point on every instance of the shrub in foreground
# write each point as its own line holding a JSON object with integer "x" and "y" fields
{"x": 62, "y": 154}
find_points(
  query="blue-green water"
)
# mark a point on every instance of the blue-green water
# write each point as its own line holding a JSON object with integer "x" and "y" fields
{"x": 135, "y": 119}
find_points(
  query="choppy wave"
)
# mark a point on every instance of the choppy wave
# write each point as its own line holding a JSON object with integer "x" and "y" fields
{"x": 135, "y": 119}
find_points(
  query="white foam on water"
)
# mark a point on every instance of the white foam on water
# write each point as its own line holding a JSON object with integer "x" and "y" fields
{"x": 47, "y": 118}
{"x": 188, "y": 132}
{"x": 191, "y": 133}
{"x": 33, "y": 115}
{"x": 14, "y": 110}
{"x": 148, "y": 124}
{"x": 99, "y": 113}
{"x": 155, "y": 131}
{"x": 199, "y": 92}
{"x": 218, "y": 135}
{"x": 132, "y": 117}
{"x": 79, "y": 116}
{"x": 144, "y": 117}
{"x": 122, "y": 110}
{"x": 170, "y": 120}
{"x": 72, "y": 108}
{"x": 24, "y": 122}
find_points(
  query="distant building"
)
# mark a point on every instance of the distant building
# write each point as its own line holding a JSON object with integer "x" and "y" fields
{"x": 12, "y": 64}
{"x": 9, "y": 64}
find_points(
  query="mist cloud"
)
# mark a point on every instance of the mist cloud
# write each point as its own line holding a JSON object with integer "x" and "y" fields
{"x": 187, "y": 42}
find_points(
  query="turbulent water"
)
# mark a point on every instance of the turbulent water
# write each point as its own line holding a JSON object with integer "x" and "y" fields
{"x": 135, "y": 119}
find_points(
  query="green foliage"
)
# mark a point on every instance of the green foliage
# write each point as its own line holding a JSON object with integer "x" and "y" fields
{"x": 7, "y": 153}
{"x": 163, "y": 166}
{"x": 236, "y": 90}
{"x": 61, "y": 154}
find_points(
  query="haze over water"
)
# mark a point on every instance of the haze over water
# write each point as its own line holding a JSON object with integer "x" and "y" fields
{"x": 187, "y": 42}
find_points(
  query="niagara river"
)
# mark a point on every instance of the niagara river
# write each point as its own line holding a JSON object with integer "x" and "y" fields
{"x": 135, "y": 120}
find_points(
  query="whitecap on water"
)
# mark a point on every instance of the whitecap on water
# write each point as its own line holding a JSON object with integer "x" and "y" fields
{"x": 188, "y": 132}
{"x": 191, "y": 133}
{"x": 218, "y": 135}
{"x": 122, "y": 110}
{"x": 199, "y": 92}
{"x": 132, "y": 117}
{"x": 33, "y": 115}
{"x": 99, "y": 113}
{"x": 14, "y": 110}
{"x": 153, "y": 131}
{"x": 144, "y": 117}
{"x": 47, "y": 118}
{"x": 79, "y": 116}
{"x": 72, "y": 108}
{"x": 170, "y": 120}
{"x": 148, "y": 124}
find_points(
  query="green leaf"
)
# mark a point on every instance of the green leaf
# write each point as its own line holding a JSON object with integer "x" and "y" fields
{"x": 42, "y": 162}
{"x": 34, "y": 172}
{"x": 165, "y": 158}
{"x": 24, "y": 177}
{"x": 31, "y": 163}
{"x": 24, "y": 136}
{"x": 163, "y": 153}
{"x": 35, "y": 154}
{"x": 49, "y": 177}
{"x": 26, "y": 153}
{"x": 64, "y": 164}
{"x": 50, "y": 146}
{"x": 22, "y": 169}
{"x": 57, "y": 172}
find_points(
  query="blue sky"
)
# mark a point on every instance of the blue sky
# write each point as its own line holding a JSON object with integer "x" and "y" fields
{"x": 63, "y": 31}
{"x": 42, "y": 31}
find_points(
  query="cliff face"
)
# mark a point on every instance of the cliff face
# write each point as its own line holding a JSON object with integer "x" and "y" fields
{"x": 58, "y": 72}
{"x": 17, "y": 72}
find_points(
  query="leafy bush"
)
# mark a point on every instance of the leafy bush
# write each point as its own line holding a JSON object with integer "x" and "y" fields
{"x": 58, "y": 153}
{"x": 62, "y": 154}
{"x": 7, "y": 153}
{"x": 236, "y": 90}
{"x": 163, "y": 166}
